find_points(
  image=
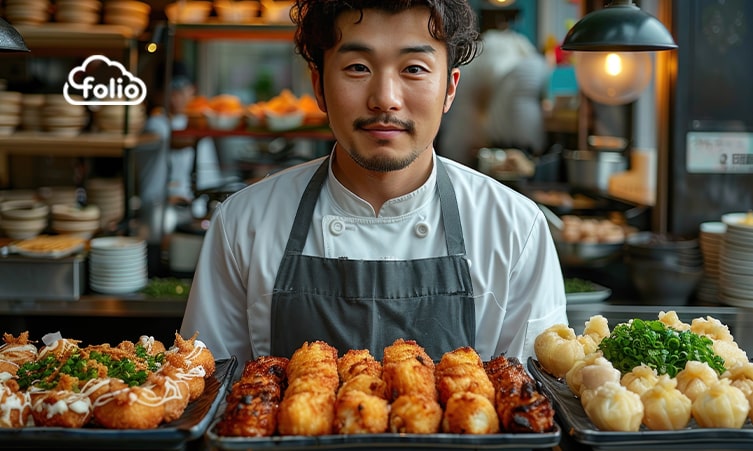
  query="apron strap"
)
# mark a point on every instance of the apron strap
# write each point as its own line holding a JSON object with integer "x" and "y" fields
{"x": 449, "y": 208}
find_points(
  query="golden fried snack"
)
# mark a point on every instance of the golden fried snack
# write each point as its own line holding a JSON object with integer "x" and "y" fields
{"x": 415, "y": 414}
{"x": 356, "y": 362}
{"x": 357, "y": 412}
{"x": 152, "y": 345}
{"x": 462, "y": 370}
{"x": 313, "y": 358}
{"x": 15, "y": 405}
{"x": 519, "y": 404}
{"x": 174, "y": 390}
{"x": 366, "y": 383}
{"x": 470, "y": 413}
{"x": 192, "y": 375}
{"x": 266, "y": 367}
{"x": 410, "y": 377}
{"x": 194, "y": 352}
{"x": 307, "y": 414}
{"x": 63, "y": 406}
{"x": 402, "y": 349}
{"x": 15, "y": 352}
{"x": 61, "y": 348}
{"x": 124, "y": 407}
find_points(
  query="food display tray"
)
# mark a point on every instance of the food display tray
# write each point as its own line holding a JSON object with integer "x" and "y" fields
{"x": 573, "y": 419}
{"x": 387, "y": 441}
{"x": 598, "y": 294}
{"x": 192, "y": 425}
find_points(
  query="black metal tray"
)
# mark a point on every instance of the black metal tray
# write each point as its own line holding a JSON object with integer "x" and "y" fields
{"x": 192, "y": 425}
{"x": 387, "y": 440}
{"x": 573, "y": 419}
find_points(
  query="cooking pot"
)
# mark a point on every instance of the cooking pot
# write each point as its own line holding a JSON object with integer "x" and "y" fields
{"x": 592, "y": 168}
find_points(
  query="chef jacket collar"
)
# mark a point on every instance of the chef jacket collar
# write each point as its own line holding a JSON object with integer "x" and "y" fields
{"x": 353, "y": 205}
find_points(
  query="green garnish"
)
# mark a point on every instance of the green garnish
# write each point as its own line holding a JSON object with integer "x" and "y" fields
{"x": 167, "y": 287}
{"x": 576, "y": 285}
{"x": 660, "y": 347}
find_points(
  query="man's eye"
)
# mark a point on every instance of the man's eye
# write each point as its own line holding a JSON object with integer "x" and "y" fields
{"x": 358, "y": 68}
{"x": 414, "y": 69}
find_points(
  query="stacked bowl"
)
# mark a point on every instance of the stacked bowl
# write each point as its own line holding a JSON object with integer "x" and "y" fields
{"x": 67, "y": 219}
{"x": 131, "y": 14}
{"x": 23, "y": 219}
{"x": 31, "y": 111}
{"x": 62, "y": 118}
{"x": 109, "y": 196}
{"x": 84, "y": 12}
{"x": 27, "y": 12}
{"x": 665, "y": 269}
{"x": 10, "y": 111}
{"x": 736, "y": 261}
{"x": 117, "y": 264}
{"x": 112, "y": 118}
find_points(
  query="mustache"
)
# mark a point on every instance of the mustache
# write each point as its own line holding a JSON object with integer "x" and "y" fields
{"x": 408, "y": 126}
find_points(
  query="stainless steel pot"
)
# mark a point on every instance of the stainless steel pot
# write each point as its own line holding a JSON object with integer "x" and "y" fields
{"x": 592, "y": 168}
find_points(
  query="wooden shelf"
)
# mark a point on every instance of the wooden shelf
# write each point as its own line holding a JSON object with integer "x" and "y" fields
{"x": 83, "y": 145}
{"x": 223, "y": 31}
{"x": 47, "y": 36}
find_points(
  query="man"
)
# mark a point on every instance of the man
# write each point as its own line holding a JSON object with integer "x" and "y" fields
{"x": 382, "y": 239}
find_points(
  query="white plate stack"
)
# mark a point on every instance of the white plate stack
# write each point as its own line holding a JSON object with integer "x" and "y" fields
{"x": 736, "y": 261}
{"x": 117, "y": 264}
{"x": 710, "y": 239}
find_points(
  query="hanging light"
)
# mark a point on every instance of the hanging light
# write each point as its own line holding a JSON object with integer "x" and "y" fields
{"x": 613, "y": 45}
{"x": 10, "y": 39}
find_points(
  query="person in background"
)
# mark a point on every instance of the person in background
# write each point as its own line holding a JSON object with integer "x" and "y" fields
{"x": 381, "y": 239}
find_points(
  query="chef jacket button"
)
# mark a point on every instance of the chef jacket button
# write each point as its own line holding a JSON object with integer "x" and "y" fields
{"x": 422, "y": 229}
{"x": 336, "y": 227}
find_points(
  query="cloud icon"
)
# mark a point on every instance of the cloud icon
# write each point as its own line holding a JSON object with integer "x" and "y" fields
{"x": 100, "y": 81}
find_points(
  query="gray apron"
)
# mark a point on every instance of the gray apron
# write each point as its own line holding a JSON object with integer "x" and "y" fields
{"x": 367, "y": 304}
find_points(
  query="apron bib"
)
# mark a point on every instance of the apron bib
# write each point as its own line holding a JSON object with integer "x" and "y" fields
{"x": 368, "y": 304}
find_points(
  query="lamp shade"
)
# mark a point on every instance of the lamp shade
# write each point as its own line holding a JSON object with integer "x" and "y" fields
{"x": 619, "y": 27}
{"x": 10, "y": 39}
{"x": 613, "y": 78}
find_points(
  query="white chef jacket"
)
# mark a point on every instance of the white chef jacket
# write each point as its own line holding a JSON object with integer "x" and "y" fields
{"x": 517, "y": 280}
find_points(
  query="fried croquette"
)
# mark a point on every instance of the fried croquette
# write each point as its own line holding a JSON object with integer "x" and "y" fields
{"x": 415, "y": 414}
{"x": 470, "y": 413}
{"x": 412, "y": 376}
{"x": 124, "y": 407}
{"x": 356, "y": 362}
{"x": 307, "y": 414}
{"x": 15, "y": 405}
{"x": 365, "y": 383}
{"x": 357, "y": 412}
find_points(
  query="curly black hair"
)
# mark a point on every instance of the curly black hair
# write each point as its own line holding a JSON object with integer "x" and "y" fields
{"x": 451, "y": 21}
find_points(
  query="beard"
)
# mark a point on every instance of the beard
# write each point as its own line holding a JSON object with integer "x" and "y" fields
{"x": 383, "y": 163}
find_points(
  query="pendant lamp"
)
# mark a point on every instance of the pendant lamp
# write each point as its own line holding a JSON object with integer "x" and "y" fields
{"x": 10, "y": 39}
{"x": 613, "y": 45}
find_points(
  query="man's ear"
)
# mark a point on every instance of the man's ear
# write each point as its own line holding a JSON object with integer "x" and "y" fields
{"x": 452, "y": 86}
{"x": 316, "y": 83}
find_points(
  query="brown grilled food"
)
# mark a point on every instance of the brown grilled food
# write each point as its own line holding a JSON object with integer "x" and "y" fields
{"x": 254, "y": 400}
{"x": 519, "y": 404}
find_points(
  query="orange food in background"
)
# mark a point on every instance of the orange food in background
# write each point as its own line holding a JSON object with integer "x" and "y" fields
{"x": 226, "y": 104}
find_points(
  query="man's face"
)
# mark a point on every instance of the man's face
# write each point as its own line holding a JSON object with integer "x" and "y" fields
{"x": 385, "y": 87}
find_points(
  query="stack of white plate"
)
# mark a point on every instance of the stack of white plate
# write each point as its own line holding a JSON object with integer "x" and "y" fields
{"x": 117, "y": 264}
{"x": 736, "y": 261}
{"x": 710, "y": 239}
{"x": 109, "y": 196}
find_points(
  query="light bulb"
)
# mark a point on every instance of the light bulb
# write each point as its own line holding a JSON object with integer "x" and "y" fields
{"x": 613, "y": 78}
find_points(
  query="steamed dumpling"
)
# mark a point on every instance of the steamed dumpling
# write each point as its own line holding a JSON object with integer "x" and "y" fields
{"x": 665, "y": 408}
{"x": 612, "y": 407}
{"x": 574, "y": 376}
{"x": 671, "y": 320}
{"x": 695, "y": 378}
{"x": 596, "y": 328}
{"x": 640, "y": 379}
{"x": 712, "y": 328}
{"x": 557, "y": 349}
{"x": 721, "y": 406}
{"x": 730, "y": 352}
{"x": 598, "y": 373}
{"x": 741, "y": 376}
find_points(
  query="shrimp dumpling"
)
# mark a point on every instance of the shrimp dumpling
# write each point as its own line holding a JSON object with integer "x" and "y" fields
{"x": 695, "y": 378}
{"x": 640, "y": 379}
{"x": 557, "y": 349}
{"x": 721, "y": 406}
{"x": 741, "y": 376}
{"x": 612, "y": 407}
{"x": 665, "y": 408}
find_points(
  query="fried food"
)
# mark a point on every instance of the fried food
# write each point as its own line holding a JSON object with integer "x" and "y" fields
{"x": 402, "y": 349}
{"x": 307, "y": 414}
{"x": 462, "y": 370}
{"x": 175, "y": 391}
{"x": 194, "y": 352}
{"x": 357, "y": 412}
{"x": 470, "y": 413}
{"x": 356, "y": 362}
{"x": 415, "y": 414}
{"x": 308, "y": 406}
{"x": 16, "y": 351}
{"x": 366, "y": 383}
{"x": 62, "y": 406}
{"x": 125, "y": 407}
{"x": 15, "y": 405}
{"x": 519, "y": 404}
{"x": 408, "y": 369}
